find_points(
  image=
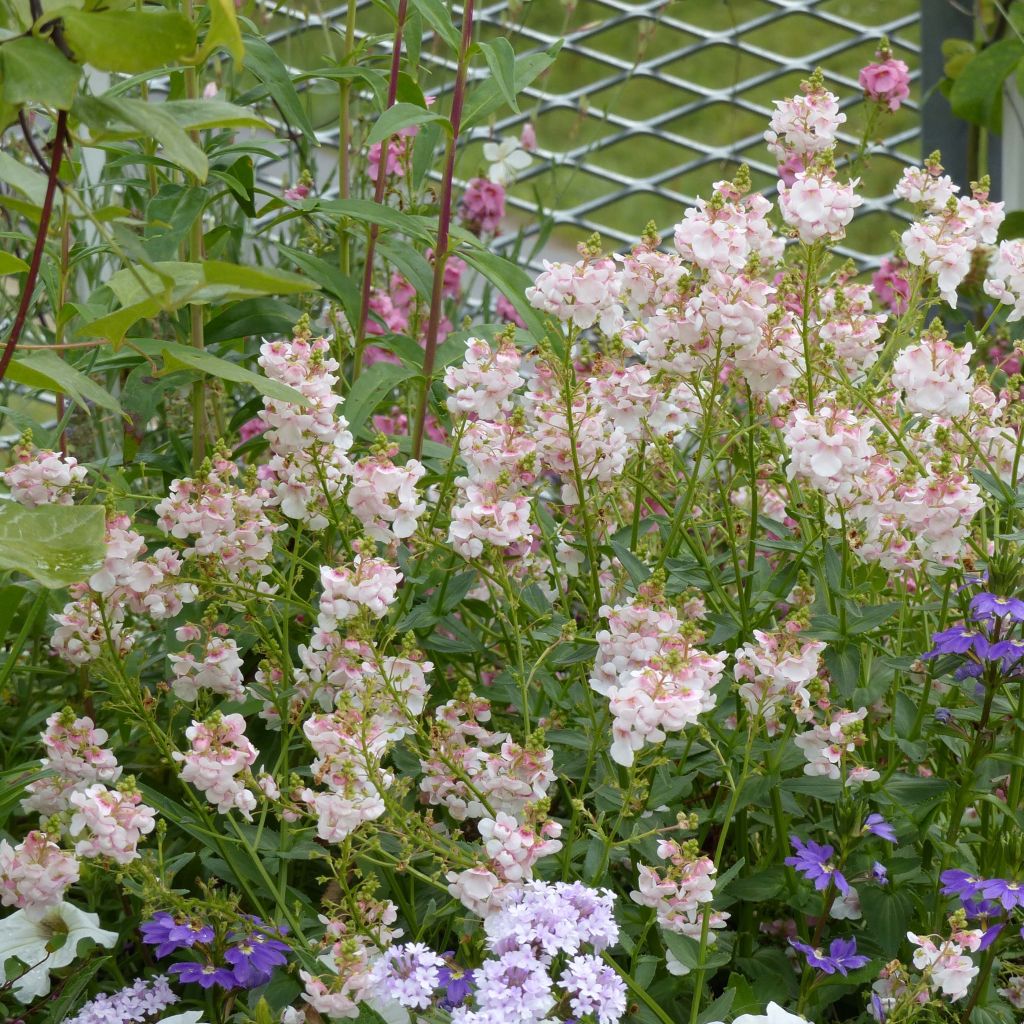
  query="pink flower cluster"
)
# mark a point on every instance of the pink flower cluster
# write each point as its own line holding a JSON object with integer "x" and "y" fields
{"x": 887, "y": 81}
{"x": 383, "y": 496}
{"x": 110, "y": 822}
{"x": 829, "y": 748}
{"x": 218, "y": 668}
{"x": 75, "y": 758}
{"x": 371, "y": 584}
{"x": 679, "y": 892}
{"x": 218, "y": 762}
{"x": 42, "y": 477}
{"x": 35, "y": 874}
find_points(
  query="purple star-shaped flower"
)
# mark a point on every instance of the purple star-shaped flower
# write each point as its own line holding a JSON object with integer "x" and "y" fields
{"x": 878, "y": 826}
{"x": 1011, "y": 651}
{"x": 253, "y": 959}
{"x": 958, "y": 640}
{"x": 456, "y": 982}
{"x": 880, "y": 873}
{"x": 814, "y": 862}
{"x": 842, "y": 956}
{"x": 990, "y": 606}
{"x": 169, "y": 934}
{"x": 1010, "y": 894}
{"x": 203, "y": 975}
{"x": 960, "y": 883}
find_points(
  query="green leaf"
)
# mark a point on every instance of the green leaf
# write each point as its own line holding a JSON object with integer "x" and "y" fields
{"x": 638, "y": 572}
{"x": 11, "y": 264}
{"x": 330, "y": 278}
{"x": 128, "y": 41}
{"x": 511, "y": 280}
{"x": 403, "y": 115}
{"x": 108, "y": 115}
{"x": 224, "y": 31}
{"x": 887, "y": 913}
{"x": 371, "y": 386}
{"x": 177, "y": 357}
{"x": 48, "y": 372}
{"x": 28, "y": 182}
{"x": 415, "y": 267}
{"x": 73, "y": 990}
{"x": 683, "y": 948}
{"x": 198, "y": 115}
{"x": 1012, "y": 226}
{"x": 977, "y": 93}
{"x": 261, "y": 60}
{"x": 169, "y": 215}
{"x": 240, "y": 177}
{"x": 33, "y": 71}
{"x": 488, "y": 96}
{"x": 435, "y": 14}
{"x": 366, "y": 211}
{"x": 501, "y": 59}
{"x": 54, "y": 544}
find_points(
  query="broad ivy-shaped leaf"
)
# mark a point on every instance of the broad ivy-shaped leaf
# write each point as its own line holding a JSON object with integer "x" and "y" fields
{"x": 54, "y": 544}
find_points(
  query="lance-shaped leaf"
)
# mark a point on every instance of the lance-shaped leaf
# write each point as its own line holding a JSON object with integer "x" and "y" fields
{"x": 54, "y": 544}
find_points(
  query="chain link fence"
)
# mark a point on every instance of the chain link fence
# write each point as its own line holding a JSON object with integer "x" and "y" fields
{"x": 648, "y": 104}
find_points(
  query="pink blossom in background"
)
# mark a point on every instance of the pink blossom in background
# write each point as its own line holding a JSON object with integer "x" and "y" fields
{"x": 394, "y": 166}
{"x": 528, "y": 137}
{"x": 298, "y": 191}
{"x": 482, "y": 206}
{"x": 891, "y": 286}
{"x": 504, "y": 309}
{"x": 887, "y": 82}
{"x": 791, "y": 167}
{"x": 396, "y": 424}
{"x": 251, "y": 428}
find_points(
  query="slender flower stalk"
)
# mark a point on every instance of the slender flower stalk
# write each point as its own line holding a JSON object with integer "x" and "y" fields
{"x": 443, "y": 228}
{"x": 378, "y": 197}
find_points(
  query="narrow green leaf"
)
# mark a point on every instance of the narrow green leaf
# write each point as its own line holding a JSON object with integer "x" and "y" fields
{"x": 11, "y": 264}
{"x": 501, "y": 59}
{"x": 24, "y": 179}
{"x": 224, "y": 30}
{"x": 265, "y": 64}
{"x": 197, "y": 115}
{"x": 330, "y": 278}
{"x": 372, "y": 385}
{"x": 409, "y": 261}
{"x": 48, "y": 372}
{"x": 435, "y": 14}
{"x": 403, "y": 115}
{"x": 511, "y": 280}
{"x": 128, "y": 41}
{"x": 108, "y": 115}
{"x": 177, "y": 357}
{"x": 488, "y": 96}
{"x": 54, "y": 544}
{"x": 34, "y": 71}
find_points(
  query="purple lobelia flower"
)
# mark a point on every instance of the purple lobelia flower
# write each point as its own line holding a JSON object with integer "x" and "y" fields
{"x": 254, "y": 957}
{"x": 168, "y": 933}
{"x": 990, "y": 606}
{"x": 959, "y": 640}
{"x": 880, "y": 873}
{"x": 814, "y": 862}
{"x": 456, "y": 982}
{"x": 1009, "y": 894}
{"x": 960, "y": 883}
{"x": 842, "y": 956}
{"x": 1010, "y": 651}
{"x": 878, "y": 826}
{"x": 204, "y": 975}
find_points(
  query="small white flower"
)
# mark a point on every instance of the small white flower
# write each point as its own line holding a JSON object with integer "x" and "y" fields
{"x": 26, "y": 940}
{"x": 505, "y": 159}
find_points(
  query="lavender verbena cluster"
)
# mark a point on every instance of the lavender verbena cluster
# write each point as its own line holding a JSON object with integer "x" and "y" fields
{"x": 538, "y": 958}
{"x": 245, "y": 957}
{"x": 135, "y": 1002}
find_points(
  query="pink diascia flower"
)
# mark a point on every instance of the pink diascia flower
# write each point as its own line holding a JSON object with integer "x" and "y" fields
{"x": 112, "y": 820}
{"x": 891, "y": 285}
{"x": 482, "y": 206}
{"x": 35, "y": 874}
{"x": 887, "y": 81}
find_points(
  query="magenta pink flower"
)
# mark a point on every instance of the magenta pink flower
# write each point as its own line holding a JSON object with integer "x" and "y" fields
{"x": 482, "y": 206}
{"x": 886, "y": 82}
{"x": 891, "y": 286}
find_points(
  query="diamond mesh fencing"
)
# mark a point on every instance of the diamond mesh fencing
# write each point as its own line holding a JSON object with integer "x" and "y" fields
{"x": 648, "y": 103}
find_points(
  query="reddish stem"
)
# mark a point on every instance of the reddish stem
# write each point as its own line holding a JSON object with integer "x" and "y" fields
{"x": 37, "y": 252}
{"x": 443, "y": 227}
{"x": 378, "y": 197}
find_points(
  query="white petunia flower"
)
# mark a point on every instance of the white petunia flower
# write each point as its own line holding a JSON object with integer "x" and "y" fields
{"x": 26, "y": 940}
{"x": 506, "y": 159}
